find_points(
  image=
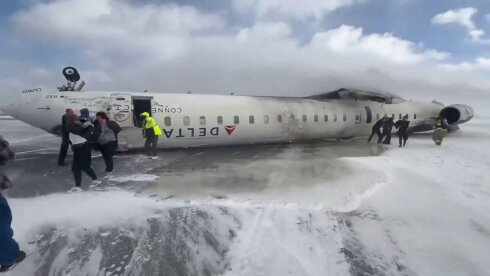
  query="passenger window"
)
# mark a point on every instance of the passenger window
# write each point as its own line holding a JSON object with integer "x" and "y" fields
{"x": 291, "y": 117}
{"x": 357, "y": 118}
{"x": 202, "y": 120}
{"x": 279, "y": 118}
{"x": 399, "y": 116}
{"x": 236, "y": 120}
{"x": 393, "y": 115}
{"x": 335, "y": 117}
{"x": 305, "y": 118}
{"x": 187, "y": 121}
{"x": 315, "y": 118}
{"x": 167, "y": 121}
{"x": 325, "y": 118}
{"x": 219, "y": 119}
{"x": 266, "y": 119}
{"x": 414, "y": 116}
{"x": 251, "y": 119}
{"x": 345, "y": 118}
{"x": 377, "y": 116}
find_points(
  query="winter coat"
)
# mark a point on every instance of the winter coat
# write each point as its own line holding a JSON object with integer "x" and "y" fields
{"x": 9, "y": 249}
{"x": 377, "y": 126}
{"x": 388, "y": 126}
{"x": 402, "y": 126}
{"x": 110, "y": 124}
{"x": 150, "y": 127}
{"x": 81, "y": 134}
{"x": 64, "y": 131}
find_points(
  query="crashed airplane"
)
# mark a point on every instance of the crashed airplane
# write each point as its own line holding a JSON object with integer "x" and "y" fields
{"x": 196, "y": 120}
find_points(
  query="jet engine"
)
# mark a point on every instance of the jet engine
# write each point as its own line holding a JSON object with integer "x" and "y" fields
{"x": 457, "y": 113}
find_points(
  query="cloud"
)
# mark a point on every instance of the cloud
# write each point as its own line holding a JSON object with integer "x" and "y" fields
{"x": 115, "y": 27}
{"x": 124, "y": 46}
{"x": 386, "y": 46}
{"x": 479, "y": 64}
{"x": 462, "y": 17}
{"x": 265, "y": 31}
{"x": 300, "y": 10}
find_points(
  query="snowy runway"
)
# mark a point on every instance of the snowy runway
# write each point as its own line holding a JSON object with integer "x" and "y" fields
{"x": 313, "y": 209}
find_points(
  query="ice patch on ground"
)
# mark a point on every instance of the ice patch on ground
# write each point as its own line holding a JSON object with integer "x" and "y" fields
{"x": 133, "y": 178}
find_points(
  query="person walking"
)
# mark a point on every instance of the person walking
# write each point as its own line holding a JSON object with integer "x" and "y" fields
{"x": 10, "y": 253}
{"x": 402, "y": 130}
{"x": 376, "y": 129}
{"x": 107, "y": 130}
{"x": 440, "y": 130}
{"x": 151, "y": 131}
{"x": 387, "y": 128}
{"x": 81, "y": 136}
{"x": 65, "y": 142}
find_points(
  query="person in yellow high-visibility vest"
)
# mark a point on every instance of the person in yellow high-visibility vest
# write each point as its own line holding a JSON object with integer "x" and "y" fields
{"x": 151, "y": 131}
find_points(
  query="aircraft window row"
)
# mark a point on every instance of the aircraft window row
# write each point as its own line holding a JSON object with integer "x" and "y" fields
{"x": 251, "y": 119}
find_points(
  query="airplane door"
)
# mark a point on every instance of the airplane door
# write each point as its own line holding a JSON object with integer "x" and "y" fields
{"x": 121, "y": 109}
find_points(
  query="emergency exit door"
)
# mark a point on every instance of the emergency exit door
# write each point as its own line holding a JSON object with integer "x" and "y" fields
{"x": 121, "y": 108}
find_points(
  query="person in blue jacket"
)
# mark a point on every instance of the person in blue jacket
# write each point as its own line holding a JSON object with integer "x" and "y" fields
{"x": 10, "y": 254}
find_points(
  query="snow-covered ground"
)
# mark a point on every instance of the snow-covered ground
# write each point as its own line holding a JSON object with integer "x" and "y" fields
{"x": 296, "y": 210}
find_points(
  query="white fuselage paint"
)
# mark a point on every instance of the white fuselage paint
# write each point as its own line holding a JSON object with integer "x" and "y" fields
{"x": 200, "y": 127}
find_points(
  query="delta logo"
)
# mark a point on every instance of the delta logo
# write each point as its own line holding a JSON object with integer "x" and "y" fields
{"x": 230, "y": 129}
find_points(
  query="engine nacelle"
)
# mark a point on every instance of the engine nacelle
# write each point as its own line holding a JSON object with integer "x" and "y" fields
{"x": 457, "y": 113}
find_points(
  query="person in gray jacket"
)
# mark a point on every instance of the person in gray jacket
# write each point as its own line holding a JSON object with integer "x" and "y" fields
{"x": 106, "y": 132}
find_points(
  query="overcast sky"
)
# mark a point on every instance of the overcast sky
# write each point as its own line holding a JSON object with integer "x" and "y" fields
{"x": 272, "y": 47}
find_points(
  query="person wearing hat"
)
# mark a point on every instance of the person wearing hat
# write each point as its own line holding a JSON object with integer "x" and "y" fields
{"x": 402, "y": 130}
{"x": 151, "y": 131}
{"x": 10, "y": 253}
{"x": 81, "y": 137}
{"x": 85, "y": 113}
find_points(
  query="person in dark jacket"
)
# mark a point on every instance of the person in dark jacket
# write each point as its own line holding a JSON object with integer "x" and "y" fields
{"x": 65, "y": 142}
{"x": 387, "y": 128}
{"x": 81, "y": 137}
{"x": 106, "y": 132}
{"x": 402, "y": 130}
{"x": 10, "y": 253}
{"x": 376, "y": 129}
